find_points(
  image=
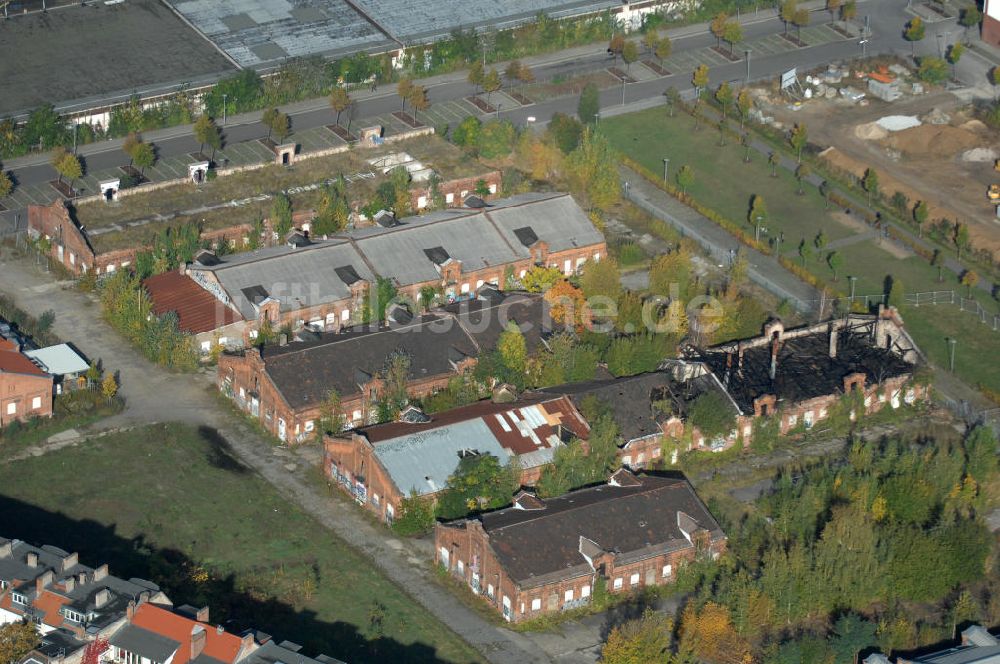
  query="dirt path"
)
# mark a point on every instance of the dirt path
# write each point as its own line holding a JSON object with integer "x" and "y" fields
{"x": 155, "y": 395}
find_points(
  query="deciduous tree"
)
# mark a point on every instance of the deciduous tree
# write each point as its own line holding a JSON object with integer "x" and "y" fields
{"x": 801, "y": 173}
{"x": 664, "y": 47}
{"x": 491, "y": 83}
{"x": 630, "y": 53}
{"x": 732, "y": 33}
{"x": 17, "y": 640}
{"x": 616, "y": 45}
{"x": 969, "y": 280}
{"x": 870, "y": 184}
{"x": 914, "y": 31}
{"x": 685, "y": 178}
{"x": 589, "y": 104}
{"x": 743, "y": 104}
{"x": 836, "y": 261}
{"x": 639, "y": 641}
{"x": 144, "y": 156}
{"x": 340, "y": 101}
{"x": 724, "y": 95}
{"x": 718, "y": 27}
{"x": 920, "y": 215}
{"x": 6, "y": 184}
{"x": 206, "y": 132}
{"x": 798, "y": 138}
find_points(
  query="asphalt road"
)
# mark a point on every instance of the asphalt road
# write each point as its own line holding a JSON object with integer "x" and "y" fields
{"x": 887, "y": 19}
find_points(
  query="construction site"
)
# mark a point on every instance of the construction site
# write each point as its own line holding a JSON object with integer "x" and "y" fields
{"x": 924, "y": 143}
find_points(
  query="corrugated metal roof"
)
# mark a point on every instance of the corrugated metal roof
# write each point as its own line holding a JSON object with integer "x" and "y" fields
{"x": 60, "y": 359}
{"x": 423, "y": 461}
{"x": 197, "y": 310}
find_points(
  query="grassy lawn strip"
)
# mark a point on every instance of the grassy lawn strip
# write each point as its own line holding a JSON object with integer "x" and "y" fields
{"x": 171, "y": 504}
{"x": 726, "y": 184}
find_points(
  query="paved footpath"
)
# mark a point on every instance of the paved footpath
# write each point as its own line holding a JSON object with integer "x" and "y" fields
{"x": 154, "y": 394}
{"x": 764, "y": 270}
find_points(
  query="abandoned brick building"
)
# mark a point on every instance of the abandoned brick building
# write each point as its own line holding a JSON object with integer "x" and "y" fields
{"x": 379, "y": 465}
{"x": 286, "y": 387}
{"x": 454, "y": 253}
{"x": 649, "y": 407}
{"x": 800, "y": 375}
{"x": 25, "y": 389}
{"x": 543, "y": 556}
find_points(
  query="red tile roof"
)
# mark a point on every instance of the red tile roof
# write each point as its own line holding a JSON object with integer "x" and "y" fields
{"x": 11, "y": 360}
{"x": 223, "y": 646}
{"x": 197, "y": 309}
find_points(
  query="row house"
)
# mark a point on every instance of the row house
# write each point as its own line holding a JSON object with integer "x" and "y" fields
{"x": 379, "y": 465}
{"x": 455, "y": 253}
{"x": 70, "y": 603}
{"x": 801, "y": 375}
{"x": 545, "y": 556}
{"x": 161, "y": 635}
{"x": 26, "y": 390}
{"x": 286, "y": 387}
{"x": 209, "y": 320}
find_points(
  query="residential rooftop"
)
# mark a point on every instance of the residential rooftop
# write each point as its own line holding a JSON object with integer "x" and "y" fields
{"x": 61, "y": 592}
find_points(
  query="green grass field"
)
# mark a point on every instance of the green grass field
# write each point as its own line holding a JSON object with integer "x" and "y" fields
{"x": 726, "y": 184}
{"x": 169, "y": 503}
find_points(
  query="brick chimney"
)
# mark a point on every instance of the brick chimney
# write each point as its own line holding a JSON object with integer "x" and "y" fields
{"x": 102, "y": 597}
{"x": 130, "y": 610}
{"x": 44, "y": 580}
{"x": 31, "y": 560}
{"x": 101, "y": 572}
{"x": 6, "y": 549}
{"x": 774, "y": 358}
{"x": 202, "y": 614}
{"x": 70, "y": 561}
{"x": 198, "y": 639}
{"x": 69, "y": 583}
{"x": 833, "y": 341}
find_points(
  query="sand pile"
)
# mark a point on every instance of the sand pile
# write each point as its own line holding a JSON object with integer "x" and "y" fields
{"x": 980, "y": 155}
{"x": 870, "y": 131}
{"x": 941, "y": 141}
{"x": 898, "y": 122}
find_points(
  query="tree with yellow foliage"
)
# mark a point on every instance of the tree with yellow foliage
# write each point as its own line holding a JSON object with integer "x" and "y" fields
{"x": 568, "y": 306}
{"x": 640, "y": 641}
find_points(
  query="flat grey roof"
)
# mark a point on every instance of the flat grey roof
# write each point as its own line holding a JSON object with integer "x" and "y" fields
{"x": 415, "y": 19}
{"x": 81, "y": 52}
{"x": 145, "y": 643}
{"x": 260, "y": 33}
{"x": 59, "y": 360}
{"x": 297, "y": 278}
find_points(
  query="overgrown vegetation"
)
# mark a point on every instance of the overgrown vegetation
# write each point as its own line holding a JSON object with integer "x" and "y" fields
{"x": 128, "y": 309}
{"x": 884, "y": 547}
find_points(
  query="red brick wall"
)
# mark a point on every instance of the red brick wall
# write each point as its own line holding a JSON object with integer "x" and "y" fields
{"x": 991, "y": 29}
{"x": 247, "y": 371}
{"x": 21, "y": 390}
{"x": 355, "y": 457}
{"x": 470, "y": 545}
{"x": 69, "y": 246}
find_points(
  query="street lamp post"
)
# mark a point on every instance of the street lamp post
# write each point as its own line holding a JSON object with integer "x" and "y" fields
{"x": 756, "y": 228}
{"x": 779, "y": 238}
{"x": 597, "y": 117}
{"x": 75, "y": 126}
{"x": 224, "y": 95}
{"x": 499, "y": 106}
{"x": 746, "y": 54}
{"x": 951, "y": 362}
{"x": 864, "y": 48}
{"x": 623, "y": 92}
{"x": 666, "y": 162}
{"x": 854, "y": 280}
{"x": 940, "y": 49}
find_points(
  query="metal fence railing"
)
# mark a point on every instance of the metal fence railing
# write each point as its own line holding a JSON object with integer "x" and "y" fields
{"x": 950, "y": 297}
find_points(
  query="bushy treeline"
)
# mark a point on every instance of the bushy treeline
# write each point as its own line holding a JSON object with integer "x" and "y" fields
{"x": 884, "y": 547}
